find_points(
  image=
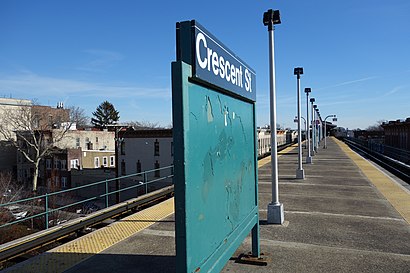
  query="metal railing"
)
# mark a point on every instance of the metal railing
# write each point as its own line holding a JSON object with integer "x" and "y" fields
{"x": 47, "y": 210}
{"x": 392, "y": 152}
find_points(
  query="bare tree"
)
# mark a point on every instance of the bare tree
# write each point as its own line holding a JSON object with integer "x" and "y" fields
{"x": 376, "y": 127}
{"x": 10, "y": 190}
{"x": 79, "y": 117}
{"x": 35, "y": 130}
{"x": 144, "y": 125}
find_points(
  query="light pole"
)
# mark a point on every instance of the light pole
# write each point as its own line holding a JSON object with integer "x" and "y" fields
{"x": 308, "y": 157}
{"x": 300, "y": 173}
{"x": 329, "y": 116}
{"x": 275, "y": 208}
{"x": 312, "y": 100}
{"x": 316, "y": 129}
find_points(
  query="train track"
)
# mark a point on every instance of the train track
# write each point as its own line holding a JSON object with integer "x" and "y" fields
{"x": 396, "y": 167}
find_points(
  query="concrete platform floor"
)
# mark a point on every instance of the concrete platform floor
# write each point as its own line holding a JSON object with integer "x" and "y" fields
{"x": 336, "y": 220}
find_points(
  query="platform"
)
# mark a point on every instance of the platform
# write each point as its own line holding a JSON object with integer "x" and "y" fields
{"x": 346, "y": 216}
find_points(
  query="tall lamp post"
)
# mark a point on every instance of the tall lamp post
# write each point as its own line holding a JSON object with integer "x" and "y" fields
{"x": 325, "y": 135}
{"x": 275, "y": 208}
{"x": 312, "y": 100}
{"x": 316, "y": 129}
{"x": 308, "y": 157}
{"x": 300, "y": 173}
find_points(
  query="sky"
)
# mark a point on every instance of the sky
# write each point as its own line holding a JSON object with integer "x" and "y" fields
{"x": 355, "y": 54}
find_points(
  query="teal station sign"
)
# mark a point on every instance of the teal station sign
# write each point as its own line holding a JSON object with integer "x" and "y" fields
{"x": 215, "y": 156}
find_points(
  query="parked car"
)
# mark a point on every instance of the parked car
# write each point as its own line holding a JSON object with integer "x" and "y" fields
{"x": 17, "y": 212}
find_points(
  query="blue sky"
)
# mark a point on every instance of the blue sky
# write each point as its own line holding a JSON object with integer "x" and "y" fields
{"x": 355, "y": 54}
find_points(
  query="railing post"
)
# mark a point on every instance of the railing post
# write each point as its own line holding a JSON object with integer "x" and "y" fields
{"x": 106, "y": 193}
{"x": 145, "y": 182}
{"x": 46, "y": 209}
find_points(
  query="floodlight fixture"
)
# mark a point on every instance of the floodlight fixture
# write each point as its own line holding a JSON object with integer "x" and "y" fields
{"x": 308, "y": 90}
{"x": 315, "y": 106}
{"x": 270, "y": 18}
{"x": 298, "y": 71}
{"x": 312, "y": 100}
{"x": 335, "y": 119}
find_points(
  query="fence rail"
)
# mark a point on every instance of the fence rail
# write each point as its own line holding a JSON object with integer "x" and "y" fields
{"x": 392, "y": 152}
{"x": 47, "y": 211}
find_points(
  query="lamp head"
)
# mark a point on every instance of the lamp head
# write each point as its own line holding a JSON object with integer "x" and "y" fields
{"x": 308, "y": 90}
{"x": 271, "y": 17}
{"x": 298, "y": 71}
{"x": 312, "y": 100}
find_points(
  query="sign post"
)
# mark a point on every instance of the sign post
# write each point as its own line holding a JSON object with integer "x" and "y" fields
{"x": 215, "y": 152}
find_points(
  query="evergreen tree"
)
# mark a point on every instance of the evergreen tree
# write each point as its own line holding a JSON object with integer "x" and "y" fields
{"x": 105, "y": 114}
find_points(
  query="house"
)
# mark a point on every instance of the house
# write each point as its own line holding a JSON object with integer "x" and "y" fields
{"x": 145, "y": 150}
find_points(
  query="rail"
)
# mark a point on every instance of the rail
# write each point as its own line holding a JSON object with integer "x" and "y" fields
{"x": 45, "y": 198}
{"x": 394, "y": 166}
{"x": 25, "y": 244}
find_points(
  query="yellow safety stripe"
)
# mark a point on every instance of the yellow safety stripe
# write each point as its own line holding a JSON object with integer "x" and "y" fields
{"x": 66, "y": 256}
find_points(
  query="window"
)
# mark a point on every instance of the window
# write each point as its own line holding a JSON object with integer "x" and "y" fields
{"x": 36, "y": 121}
{"x": 77, "y": 142}
{"x": 172, "y": 148}
{"x": 123, "y": 147}
{"x": 64, "y": 164}
{"x": 96, "y": 139}
{"x": 59, "y": 164}
{"x": 138, "y": 166}
{"x": 123, "y": 172}
{"x": 64, "y": 182}
{"x": 157, "y": 171}
{"x": 48, "y": 163}
{"x": 74, "y": 163}
{"x": 55, "y": 163}
{"x": 112, "y": 161}
{"x": 96, "y": 162}
{"x": 105, "y": 161}
{"x": 156, "y": 148}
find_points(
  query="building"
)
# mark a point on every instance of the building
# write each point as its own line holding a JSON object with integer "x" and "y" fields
{"x": 10, "y": 107}
{"x": 8, "y": 158}
{"x": 22, "y": 115}
{"x": 77, "y": 149}
{"x": 145, "y": 150}
{"x": 397, "y": 134}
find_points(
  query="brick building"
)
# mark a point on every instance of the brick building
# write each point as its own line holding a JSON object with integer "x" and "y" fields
{"x": 397, "y": 134}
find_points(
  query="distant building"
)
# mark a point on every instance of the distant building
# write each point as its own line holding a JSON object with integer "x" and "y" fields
{"x": 397, "y": 134}
{"x": 144, "y": 150}
{"x": 26, "y": 115}
{"x": 79, "y": 149}
{"x": 12, "y": 106}
{"x": 8, "y": 158}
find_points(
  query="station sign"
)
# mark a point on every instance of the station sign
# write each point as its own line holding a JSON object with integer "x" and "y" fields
{"x": 215, "y": 152}
{"x": 214, "y": 63}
